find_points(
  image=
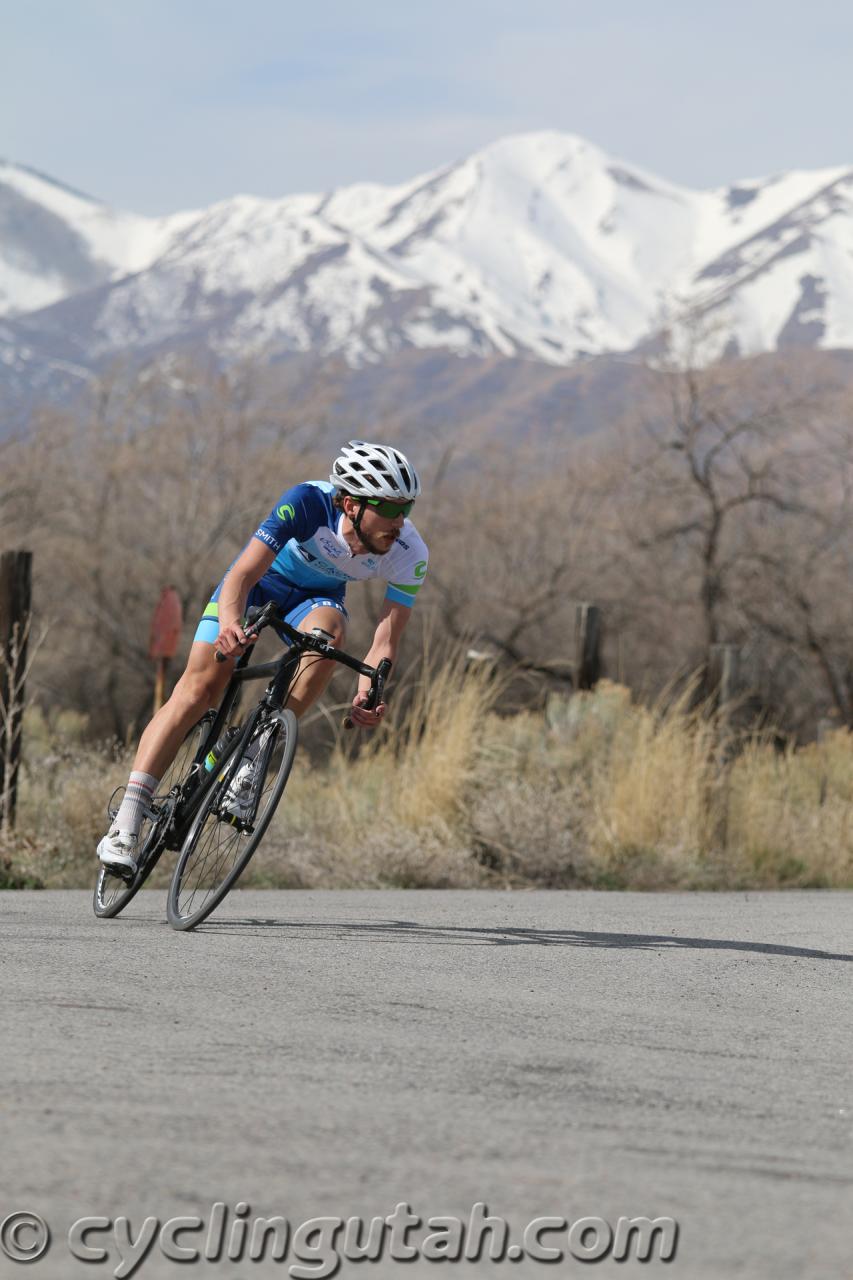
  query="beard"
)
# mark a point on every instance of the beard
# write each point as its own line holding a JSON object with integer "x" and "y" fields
{"x": 374, "y": 547}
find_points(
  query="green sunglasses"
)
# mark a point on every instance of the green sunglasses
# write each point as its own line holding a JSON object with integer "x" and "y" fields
{"x": 389, "y": 510}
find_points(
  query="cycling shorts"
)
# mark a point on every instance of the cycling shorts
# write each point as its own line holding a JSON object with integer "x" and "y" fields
{"x": 295, "y": 604}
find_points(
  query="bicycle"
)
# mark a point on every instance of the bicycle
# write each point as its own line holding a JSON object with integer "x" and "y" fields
{"x": 214, "y": 830}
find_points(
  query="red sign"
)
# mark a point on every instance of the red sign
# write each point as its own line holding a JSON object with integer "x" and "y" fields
{"x": 166, "y": 625}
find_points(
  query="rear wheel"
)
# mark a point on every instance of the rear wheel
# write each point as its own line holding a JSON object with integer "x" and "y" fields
{"x": 113, "y": 891}
{"x": 218, "y": 846}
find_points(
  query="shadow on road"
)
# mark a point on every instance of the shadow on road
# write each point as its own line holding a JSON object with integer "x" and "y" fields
{"x": 463, "y": 935}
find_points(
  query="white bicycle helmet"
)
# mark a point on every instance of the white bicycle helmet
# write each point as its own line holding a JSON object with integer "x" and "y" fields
{"x": 375, "y": 471}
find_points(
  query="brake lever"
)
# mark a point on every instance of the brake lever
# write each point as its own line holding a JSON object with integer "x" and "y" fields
{"x": 221, "y": 657}
{"x": 251, "y": 632}
{"x": 375, "y": 695}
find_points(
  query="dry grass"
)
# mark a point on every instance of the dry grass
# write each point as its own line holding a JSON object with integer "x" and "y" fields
{"x": 599, "y": 792}
{"x": 397, "y": 813}
{"x": 791, "y": 815}
{"x": 63, "y": 788}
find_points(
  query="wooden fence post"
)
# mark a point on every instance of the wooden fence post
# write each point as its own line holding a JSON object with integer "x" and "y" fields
{"x": 15, "y": 596}
{"x": 587, "y": 646}
{"x": 166, "y": 626}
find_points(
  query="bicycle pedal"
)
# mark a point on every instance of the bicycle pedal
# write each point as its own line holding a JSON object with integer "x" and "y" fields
{"x": 122, "y": 873}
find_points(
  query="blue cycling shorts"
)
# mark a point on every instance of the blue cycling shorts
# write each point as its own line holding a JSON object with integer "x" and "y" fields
{"x": 296, "y": 604}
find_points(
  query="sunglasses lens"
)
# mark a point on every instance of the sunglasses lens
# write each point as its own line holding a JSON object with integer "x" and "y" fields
{"x": 389, "y": 510}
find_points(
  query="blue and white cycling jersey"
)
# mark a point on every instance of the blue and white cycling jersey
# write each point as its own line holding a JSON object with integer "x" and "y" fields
{"x": 312, "y": 555}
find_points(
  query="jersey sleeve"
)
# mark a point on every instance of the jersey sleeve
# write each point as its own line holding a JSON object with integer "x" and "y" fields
{"x": 297, "y": 514}
{"x": 409, "y": 578}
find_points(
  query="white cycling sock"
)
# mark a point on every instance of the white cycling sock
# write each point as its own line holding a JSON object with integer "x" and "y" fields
{"x": 137, "y": 797}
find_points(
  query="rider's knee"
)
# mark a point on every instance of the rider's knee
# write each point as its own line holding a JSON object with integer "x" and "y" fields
{"x": 199, "y": 689}
{"x": 336, "y": 627}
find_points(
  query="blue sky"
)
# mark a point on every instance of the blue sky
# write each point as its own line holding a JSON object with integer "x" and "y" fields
{"x": 157, "y": 106}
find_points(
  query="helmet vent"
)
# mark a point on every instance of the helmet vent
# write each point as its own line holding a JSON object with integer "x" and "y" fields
{"x": 370, "y": 470}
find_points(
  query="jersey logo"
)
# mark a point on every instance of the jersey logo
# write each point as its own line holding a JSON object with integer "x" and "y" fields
{"x": 420, "y": 569}
{"x": 284, "y": 511}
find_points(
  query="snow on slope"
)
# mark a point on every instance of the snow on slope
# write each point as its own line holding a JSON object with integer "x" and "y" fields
{"x": 563, "y": 250}
{"x": 787, "y": 278}
{"x": 539, "y": 244}
{"x": 54, "y": 241}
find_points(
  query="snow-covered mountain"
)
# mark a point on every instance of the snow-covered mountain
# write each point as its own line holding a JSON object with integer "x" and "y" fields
{"x": 540, "y": 245}
{"x": 55, "y": 241}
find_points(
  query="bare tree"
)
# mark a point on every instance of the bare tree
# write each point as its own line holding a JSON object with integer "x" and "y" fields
{"x": 794, "y": 590}
{"x": 720, "y": 454}
{"x": 162, "y": 481}
{"x": 511, "y": 554}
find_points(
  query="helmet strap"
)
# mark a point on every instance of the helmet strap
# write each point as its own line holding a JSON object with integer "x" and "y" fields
{"x": 356, "y": 519}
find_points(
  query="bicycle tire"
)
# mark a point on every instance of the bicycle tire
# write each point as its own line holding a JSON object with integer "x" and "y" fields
{"x": 211, "y": 859}
{"x": 113, "y": 891}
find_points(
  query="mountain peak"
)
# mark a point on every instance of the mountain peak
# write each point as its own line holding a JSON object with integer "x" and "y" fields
{"x": 539, "y": 244}
{"x": 9, "y": 168}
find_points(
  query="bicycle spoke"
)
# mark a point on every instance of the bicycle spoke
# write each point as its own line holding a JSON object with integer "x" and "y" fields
{"x": 111, "y": 888}
{"x": 210, "y": 864}
{"x": 219, "y": 848}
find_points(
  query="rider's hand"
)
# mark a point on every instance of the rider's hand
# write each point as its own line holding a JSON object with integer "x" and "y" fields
{"x": 232, "y": 641}
{"x": 361, "y": 716}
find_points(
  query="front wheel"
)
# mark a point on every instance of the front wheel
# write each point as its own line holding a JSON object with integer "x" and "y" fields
{"x": 219, "y": 844}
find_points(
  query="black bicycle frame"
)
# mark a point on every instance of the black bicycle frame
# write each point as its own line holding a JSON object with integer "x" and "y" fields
{"x": 200, "y": 780}
{"x": 282, "y": 672}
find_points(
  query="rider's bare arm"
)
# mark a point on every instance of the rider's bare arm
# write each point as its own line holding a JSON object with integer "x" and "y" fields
{"x": 386, "y": 640}
{"x": 247, "y": 569}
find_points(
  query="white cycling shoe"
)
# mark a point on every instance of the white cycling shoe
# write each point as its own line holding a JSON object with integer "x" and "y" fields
{"x": 237, "y": 802}
{"x": 117, "y": 850}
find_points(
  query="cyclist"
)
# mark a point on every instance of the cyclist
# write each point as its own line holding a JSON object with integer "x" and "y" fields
{"x": 318, "y": 538}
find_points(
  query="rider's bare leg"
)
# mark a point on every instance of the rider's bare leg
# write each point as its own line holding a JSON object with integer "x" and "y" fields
{"x": 201, "y": 686}
{"x": 315, "y": 673}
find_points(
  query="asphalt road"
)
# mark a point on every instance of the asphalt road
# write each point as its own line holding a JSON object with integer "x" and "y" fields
{"x": 571, "y": 1055}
